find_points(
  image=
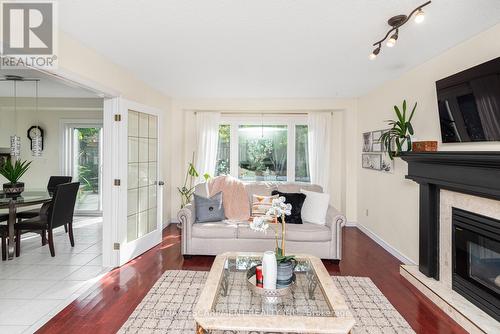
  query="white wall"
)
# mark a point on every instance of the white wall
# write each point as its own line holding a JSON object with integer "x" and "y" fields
{"x": 51, "y": 111}
{"x": 392, "y": 201}
{"x": 343, "y": 180}
{"x": 85, "y": 65}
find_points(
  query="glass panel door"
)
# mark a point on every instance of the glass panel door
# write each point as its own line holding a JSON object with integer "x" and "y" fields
{"x": 83, "y": 161}
{"x": 142, "y": 214}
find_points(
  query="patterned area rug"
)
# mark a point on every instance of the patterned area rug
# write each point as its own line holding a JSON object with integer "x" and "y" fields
{"x": 167, "y": 306}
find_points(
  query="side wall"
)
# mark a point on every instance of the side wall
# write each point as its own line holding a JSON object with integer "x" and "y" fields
{"x": 387, "y": 203}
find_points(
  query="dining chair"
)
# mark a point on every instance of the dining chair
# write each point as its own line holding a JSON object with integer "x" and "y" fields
{"x": 3, "y": 235}
{"x": 54, "y": 181}
{"x": 54, "y": 214}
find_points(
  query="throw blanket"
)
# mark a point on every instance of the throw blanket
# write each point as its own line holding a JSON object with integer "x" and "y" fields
{"x": 234, "y": 196}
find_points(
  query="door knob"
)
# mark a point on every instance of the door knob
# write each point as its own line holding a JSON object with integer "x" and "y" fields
{"x": 161, "y": 183}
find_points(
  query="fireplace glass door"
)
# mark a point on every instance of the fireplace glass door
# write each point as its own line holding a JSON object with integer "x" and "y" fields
{"x": 476, "y": 260}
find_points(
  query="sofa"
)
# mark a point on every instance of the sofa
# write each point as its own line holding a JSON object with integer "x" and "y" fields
{"x": 323, "y": 241}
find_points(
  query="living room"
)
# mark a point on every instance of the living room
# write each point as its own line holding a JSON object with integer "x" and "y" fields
{"x": 304, "y": 173}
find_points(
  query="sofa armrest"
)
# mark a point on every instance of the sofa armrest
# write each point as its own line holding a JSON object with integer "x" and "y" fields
{"x": 186, "y": 217}
{"x": 335, "y": 220}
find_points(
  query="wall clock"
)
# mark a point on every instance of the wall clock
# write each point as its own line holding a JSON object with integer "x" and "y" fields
{"x": 34, "y": 132}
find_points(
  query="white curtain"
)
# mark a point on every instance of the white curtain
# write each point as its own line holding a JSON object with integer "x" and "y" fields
{"x": 207, "y": 130}
{"x": 319, "y": 134}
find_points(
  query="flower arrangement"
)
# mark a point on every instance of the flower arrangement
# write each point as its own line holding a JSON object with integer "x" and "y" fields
{"x": 278, "y": 209}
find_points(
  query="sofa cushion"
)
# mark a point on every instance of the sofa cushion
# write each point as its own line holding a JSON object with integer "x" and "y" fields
{"x": 307, "y": 232}
{"x": 261, "y": 204}
{"x": 209, "y": 209}
{"x": 245, "y": 232}
{"x": 295, "y": 187}
{"x": 296, "y": 200}
{"x": 259, "y": 188}
{"x": 215, "y": 230}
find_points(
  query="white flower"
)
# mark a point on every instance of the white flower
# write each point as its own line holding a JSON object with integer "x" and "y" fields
{"x": 259, "y": 224}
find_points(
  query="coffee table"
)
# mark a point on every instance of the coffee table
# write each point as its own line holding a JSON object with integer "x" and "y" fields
{"x": 313, "y": 306}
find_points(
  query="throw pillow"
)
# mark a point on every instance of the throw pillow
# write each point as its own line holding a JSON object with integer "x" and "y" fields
{"x": 260, "y": 204}
{"x": 209, "y": 209}
{"x": 296, "y": 200}
{"x": 315, "y": 207}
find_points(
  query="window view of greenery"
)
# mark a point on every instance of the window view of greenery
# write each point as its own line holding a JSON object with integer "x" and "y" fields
{"x": 87, "y": 168}
{"x": 223, "y": 151}
{"x": 262, "y": 152}
{"x": 301, "y": 154}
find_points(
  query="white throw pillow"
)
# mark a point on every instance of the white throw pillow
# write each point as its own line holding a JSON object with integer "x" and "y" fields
{"x": 315, "y": 207}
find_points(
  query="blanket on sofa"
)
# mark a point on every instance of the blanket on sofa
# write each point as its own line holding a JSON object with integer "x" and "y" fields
{"x": 234, "y": 196}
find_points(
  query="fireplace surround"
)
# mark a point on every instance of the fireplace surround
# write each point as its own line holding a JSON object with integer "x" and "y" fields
{"x": 454, "y": 184}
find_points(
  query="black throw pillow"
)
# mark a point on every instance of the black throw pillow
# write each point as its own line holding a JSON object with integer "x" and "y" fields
{"x": 296, "y": 200}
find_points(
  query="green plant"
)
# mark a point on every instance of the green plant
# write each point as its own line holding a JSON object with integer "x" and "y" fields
{"x": 14, "y": 171}
{"x": 400, "y": 132}
{"x": 187, "y": 190}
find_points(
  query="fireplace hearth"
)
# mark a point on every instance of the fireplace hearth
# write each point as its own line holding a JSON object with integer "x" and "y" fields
{"x": 476, "y": 260}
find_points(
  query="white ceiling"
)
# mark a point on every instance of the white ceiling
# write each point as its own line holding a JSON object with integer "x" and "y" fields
{"x": 268, "y": 48}
{"x": 48, "y": 86}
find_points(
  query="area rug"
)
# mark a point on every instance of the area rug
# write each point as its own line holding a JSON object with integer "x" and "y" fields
{"x": 167, "y": 306}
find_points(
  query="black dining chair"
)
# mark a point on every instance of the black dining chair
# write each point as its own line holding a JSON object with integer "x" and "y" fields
{"x": 54, "y": 214}
{"x": 54, "y": 181}
{"x": 4, "y": 233}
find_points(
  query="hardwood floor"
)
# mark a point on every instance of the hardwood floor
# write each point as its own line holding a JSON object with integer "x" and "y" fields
{"x": 107, "y": 305}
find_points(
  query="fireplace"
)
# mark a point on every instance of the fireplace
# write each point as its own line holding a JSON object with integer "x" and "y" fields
{"x": 476, "y": 260}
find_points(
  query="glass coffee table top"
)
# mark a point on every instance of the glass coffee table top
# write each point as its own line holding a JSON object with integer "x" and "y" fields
{"x": 306, "y": 298}
{"x": 228, "y": 303}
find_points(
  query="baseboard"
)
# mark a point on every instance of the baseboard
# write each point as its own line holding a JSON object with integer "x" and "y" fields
{"x": 393, "y": 251}
{"x": 351, "y": 224}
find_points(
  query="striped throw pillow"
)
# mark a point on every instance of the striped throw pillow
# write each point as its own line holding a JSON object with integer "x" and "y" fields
{"x": 260, "y": 204}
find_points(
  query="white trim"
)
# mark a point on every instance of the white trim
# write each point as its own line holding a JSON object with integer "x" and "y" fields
{"x": 393, "y": 251}
{"x": 351, "y": 224}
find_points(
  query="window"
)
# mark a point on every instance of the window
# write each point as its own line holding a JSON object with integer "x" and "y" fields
{"x": 270, "y": 149}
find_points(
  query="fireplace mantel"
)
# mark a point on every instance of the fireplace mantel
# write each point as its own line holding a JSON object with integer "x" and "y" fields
{"x": 475, "y": 173}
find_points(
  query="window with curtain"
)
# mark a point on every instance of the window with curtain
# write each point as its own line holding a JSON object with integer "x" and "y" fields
{"x": 276, "y": 151}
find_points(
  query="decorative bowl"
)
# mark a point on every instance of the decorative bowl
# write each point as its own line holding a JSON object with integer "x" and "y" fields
{"x": 268, "y": 295}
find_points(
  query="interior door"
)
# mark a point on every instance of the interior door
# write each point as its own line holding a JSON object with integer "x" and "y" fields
{"x": 140, "y": 227}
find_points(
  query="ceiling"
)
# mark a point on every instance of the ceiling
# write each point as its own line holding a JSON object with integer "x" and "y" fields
{"x": 268, "y": 48}
{"x": 48, "y": 86}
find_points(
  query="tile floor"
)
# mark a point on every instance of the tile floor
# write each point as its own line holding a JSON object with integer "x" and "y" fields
{"x": 35, "y": 286}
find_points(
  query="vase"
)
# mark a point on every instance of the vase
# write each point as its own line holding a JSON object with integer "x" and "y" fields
{"x": 285, "y": 273}
{"x": 13, "y": 189}
{"x": 269, "y": 270}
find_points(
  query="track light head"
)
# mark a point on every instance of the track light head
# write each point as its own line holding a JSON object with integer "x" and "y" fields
{"x": 419, "y": 16}
{"x": 374, "y": 54}
{"x": 392, "y": 40}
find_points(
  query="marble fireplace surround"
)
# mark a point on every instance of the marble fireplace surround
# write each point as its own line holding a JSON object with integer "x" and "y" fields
{"x": 464, "y": 180}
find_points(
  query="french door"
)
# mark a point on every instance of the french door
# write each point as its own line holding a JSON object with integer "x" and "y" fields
{"x": 140, "y": 185}
{"x": 83, "y": 161}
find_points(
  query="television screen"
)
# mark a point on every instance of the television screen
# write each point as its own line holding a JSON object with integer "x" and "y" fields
{"x": 469, "y": 104}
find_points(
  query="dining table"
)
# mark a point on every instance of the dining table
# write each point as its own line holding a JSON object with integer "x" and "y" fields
{"x": 26, "y": 198}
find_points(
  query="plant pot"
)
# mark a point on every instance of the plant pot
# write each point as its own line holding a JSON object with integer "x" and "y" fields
{"x": 285, "y": 273}
{"x": 13, "y": 189}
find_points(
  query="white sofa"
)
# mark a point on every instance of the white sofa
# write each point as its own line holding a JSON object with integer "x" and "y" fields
{"x": 323, "y": 241}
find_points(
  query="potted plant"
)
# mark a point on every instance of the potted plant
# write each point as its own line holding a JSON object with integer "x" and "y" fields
{"x": 285, "y": 263}
{"x": 13, "y": 173}
{"x": 187, "y": 190}
{"x": 398, "y": 138}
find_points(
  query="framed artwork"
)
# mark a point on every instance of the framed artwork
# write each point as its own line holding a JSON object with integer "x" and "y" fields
{"x": 372, "y": 161}
{"x": 386, "y": 164}
{"x": 3, "y": 158}
{"x": 367, "y": 142}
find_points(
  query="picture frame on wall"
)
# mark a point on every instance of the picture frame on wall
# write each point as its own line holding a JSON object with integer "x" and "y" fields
{"x": 3, "y": 158}
{"x": 367, "y": 142}
{"x": 372, "y": 161}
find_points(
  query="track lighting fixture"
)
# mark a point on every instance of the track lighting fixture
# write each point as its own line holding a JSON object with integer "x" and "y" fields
{"x": 396, "y": 22}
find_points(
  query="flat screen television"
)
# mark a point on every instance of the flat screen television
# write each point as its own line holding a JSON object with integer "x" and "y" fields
{"x": 469, "y": 104}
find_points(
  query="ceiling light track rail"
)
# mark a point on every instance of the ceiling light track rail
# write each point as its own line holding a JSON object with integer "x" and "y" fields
{"x": 396, "y": 22}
